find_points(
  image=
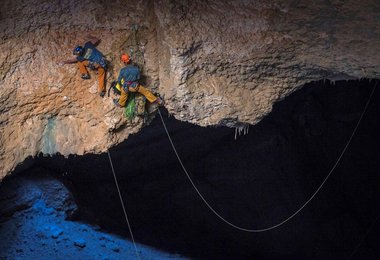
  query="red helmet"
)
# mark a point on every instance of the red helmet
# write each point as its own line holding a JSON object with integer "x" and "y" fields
{"x": 125, "y": 58}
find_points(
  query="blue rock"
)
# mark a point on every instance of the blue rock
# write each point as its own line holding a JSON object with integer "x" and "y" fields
{"x": 80, "y": 243}
{"x": 56, "y": 232}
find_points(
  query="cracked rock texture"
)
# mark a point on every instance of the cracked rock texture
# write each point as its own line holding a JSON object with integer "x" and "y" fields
{"x": 214, "y": 62}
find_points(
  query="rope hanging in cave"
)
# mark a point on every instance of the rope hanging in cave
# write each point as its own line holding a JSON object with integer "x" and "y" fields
{"x": 122, "y": 205}
{"x": 295, "y": 213}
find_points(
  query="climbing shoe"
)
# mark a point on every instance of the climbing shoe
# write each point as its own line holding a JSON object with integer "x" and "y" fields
{"x": 101, "y": 94}
{"x": 116, "y": 102}
{"x": 159, "y": 101}
{"x": 85, "y": 76}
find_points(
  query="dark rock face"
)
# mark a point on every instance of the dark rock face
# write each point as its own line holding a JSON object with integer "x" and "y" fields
{"x": 254, "y": 182}
{"x": 23, "y": 193}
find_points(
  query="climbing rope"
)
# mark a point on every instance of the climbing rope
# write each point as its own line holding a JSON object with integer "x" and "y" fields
{"x": 295, "y": 213}
{"x": 122, "y": 205}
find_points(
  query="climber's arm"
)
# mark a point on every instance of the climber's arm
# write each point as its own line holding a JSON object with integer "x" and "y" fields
{"x": 121, "y": 77}
{"x": 70, "y": 61}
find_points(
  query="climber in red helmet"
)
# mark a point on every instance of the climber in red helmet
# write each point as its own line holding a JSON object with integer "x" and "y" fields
{"x": 128, "y": 79}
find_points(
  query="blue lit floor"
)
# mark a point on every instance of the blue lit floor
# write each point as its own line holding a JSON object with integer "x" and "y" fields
{"x": 33, "y": 226}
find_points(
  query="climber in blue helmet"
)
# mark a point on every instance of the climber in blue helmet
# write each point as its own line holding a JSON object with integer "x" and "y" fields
{"x": 88, "y": 56}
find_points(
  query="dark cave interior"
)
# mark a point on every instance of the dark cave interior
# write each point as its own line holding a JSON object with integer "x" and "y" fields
{"x": 255, "y": 181}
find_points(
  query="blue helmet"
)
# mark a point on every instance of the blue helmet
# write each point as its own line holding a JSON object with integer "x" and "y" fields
{"x": 78, "y": 50}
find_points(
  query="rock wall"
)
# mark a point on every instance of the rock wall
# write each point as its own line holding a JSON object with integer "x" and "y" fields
{"x": 214, "y": 62}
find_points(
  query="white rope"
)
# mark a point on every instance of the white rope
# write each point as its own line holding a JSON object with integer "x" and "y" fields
{"x": 122, "y": 204}
{"x": 295, "y": 213}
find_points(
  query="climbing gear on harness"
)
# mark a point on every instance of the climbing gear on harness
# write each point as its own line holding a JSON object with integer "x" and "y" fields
{"x": 131, "y": 84}
{"x": 92, "y": 65}
{"x": 78, "y": 50}
{"x": 115, "y": 87}
{"x": 85, "y": 76}
{"x": 125, "y": 58}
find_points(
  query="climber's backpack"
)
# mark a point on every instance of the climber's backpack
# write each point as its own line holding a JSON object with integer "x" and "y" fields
{"x": 140, "y": 102}
{"x": 135, "y": 105}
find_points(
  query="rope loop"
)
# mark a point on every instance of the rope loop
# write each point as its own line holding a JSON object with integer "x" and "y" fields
{"x": 296, "y": 212}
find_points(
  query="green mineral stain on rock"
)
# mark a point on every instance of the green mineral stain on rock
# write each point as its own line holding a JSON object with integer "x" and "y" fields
{"x": 49, "y": 143}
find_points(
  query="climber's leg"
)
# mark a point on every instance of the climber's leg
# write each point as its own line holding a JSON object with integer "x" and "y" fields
{"x": 82, "y": 68}
{"x": 149, "y": 95}
{"x": 101, "y": 79}
{"x": 123, "y": 97}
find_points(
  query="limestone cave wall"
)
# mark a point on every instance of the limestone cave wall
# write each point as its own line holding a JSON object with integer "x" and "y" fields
{"x": 214, "y": 63}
